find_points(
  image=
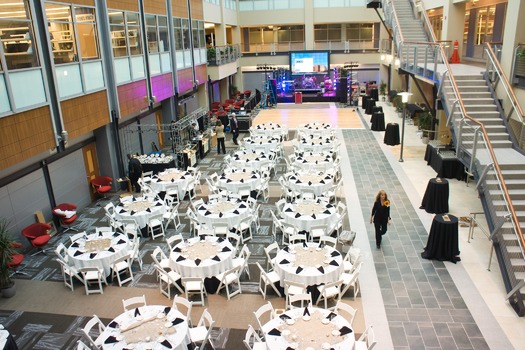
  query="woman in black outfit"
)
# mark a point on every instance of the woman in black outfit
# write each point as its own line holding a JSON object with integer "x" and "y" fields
{"x": 380, "y": 216}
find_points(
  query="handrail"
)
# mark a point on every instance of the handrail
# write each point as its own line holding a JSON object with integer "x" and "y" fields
{"x": 506, "y": 83}
{"x": 397, "y": 21}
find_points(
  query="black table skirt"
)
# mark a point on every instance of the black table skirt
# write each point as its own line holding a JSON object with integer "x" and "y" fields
{"x": 392, "y": 134}
{"x": 449, "y": 168}
{"x": 378, "y": 121}
{"x": 10, "y": 343}
{"x": 370, "y": 103}
{"x": 363, "y": 101}
{"x": 374, "y": 93}
{"x": 436, "y": 195}
{"x": 157, "y": 168}
{"x": 442, "y": 243}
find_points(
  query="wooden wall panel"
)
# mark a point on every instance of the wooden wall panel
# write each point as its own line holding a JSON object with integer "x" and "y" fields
{"x": 162, "y": 86}
{"x": 201, "y": 73}
{"x": 79, "y": 2}
{"x": 157, "y": 7}
{"x": 179, "y": 8}
{"x": 125, "y": 5}
{"x": 185, "y": 80}
{"x": 131, "y": 97}
{"x": 85, "y": 114}
{"x": 24, "y": 135}
{"x": 197, "y": 11}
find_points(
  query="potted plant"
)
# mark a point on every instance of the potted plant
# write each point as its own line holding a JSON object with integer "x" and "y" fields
{"x": 211, "y": 55}
{"x": 382, "y": 90}
{"x": 397, "y": 102}
{"x": 7, "y": 250}
{"x": 424, "y": 123}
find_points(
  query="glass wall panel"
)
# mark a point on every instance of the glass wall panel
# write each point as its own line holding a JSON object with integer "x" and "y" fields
{"x": 165, "y": 62}
{"x": 119, "y": 38}
{"x": 87, "y": 33}
{"x": 122, "y": 70}
{"x": 187, "y": 58}
{"x": 185, "y": 34}
{"x": 137, "y": 67}
{"x": 95, "y": 74}
{"x": 154, "y": 64}
{"x": 178, "y": 33}
{"x": 18, "y": 44}
{"x": 134, "y": 33}
{"x": 61, "y": 33}
{"x": 20, "y": 80}
{"x": 5, "y": 106}
{"x": 179, "y": 57}
{"x": 68, "y": 80}
{"x": 151, "y": 32}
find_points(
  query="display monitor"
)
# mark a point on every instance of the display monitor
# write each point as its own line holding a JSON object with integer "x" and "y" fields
{"x": 309, "y": 62}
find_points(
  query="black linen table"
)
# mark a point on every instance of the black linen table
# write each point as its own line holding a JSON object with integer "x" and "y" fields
{"x": 445, "y": 167}
{"x": 378, "y": 121}
{"x": 442, "y": 243}
{"x": 392, "y": 134}
{"x": 435, "y": 200}
{"x": 158, "y": 167}
{"x": 370, "y": 104}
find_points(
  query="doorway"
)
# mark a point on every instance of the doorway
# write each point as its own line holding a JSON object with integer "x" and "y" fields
{"x": 89, "y": 153}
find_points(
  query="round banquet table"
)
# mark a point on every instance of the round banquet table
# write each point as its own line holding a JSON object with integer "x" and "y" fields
{"x": 316, "y": 145}
{"x": 155, "y": 327}
{"x": 315, "y": 129}
{"x": 309, "y": 264}
{"x": 223, "y": 211}
{"x": 171, "y": 176}
{"x": 292, "y": 330}
{"x": 392, "y": 134}
{"x": 269, "y": 129}
{"x": 304, "y": 213}
{"x": 265, "y": 144}
{"x": 140, "y": 209}
{"x": 202, "y": 258}
{"x": 98, "y": 250}
{"x": 250, "y": 159}
{"x": 435, "y": 199}
{"x": 317, "y": 161}
{"x": 443, "y": 243}
{"x": 316, "y": 183}
{"x": 231, "y": 180}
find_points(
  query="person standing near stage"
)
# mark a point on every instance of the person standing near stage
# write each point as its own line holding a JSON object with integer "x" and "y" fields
{"x": 219, "y": 129}
{"x": 234, "y": 128}
{"x": 135, "y": 172}
{"x": 380, "y": 216}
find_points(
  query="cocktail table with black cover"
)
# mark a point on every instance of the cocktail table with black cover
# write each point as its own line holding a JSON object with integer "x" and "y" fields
{"x": 363, "y": 101}
{"x": 378, "y": 121}
{"x": 435, "y": 199}
{"x": 392, "y": 134}
{"x": 442, "y": 243}
{"x": 370, "y": 103}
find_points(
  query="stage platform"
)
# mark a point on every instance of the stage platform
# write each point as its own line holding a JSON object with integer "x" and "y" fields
{"x": 309, "y": 95}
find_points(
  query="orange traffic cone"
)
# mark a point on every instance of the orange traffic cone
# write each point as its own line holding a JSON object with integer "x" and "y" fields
{"x": 455, "y": 54}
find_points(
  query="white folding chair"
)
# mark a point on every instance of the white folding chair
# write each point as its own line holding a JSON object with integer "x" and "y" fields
{"x": 93, "y": 330}
{"x": 92, "y": 276}
{"x": 172, "y": 216}
{"x": 244, "y": 229}
{"x": 82, "y": 346}
{"x": 293, "y": 288}
{"x": 156, "y": 226}
{"x": 234, "y": 239}
{"x": 194, "y": 286}
{"x": 268, "y": 279}
{"x": 172, "y": 241}
{"x": 269, "y": 251}
{"x": 120, "y": 268}
{"x": 242, "y": 260}
{"x": 166, "y": 280}
{"x": 160, "y": 258}
{"x": 367, "y": 340}
{"x": 183, "y": 303}
{"x": 342, "y": 307}
{"x": 304, "y": 298}
{"x": 68, "y": 273}
{"x": 201, "y": 333}
{"x": 263, "y": 315}
{"x": 221, "y": 229}
{"x": 77, "y": 236}
{"x": 286, "y": 229}
{"x": 135, "y": 252}
{"x": 328, "y": 291}
{"x": 317, "y": 231}
{"x": 252, "y": 341}
{"x": 351, "y": 280}
{"x": 294, "y": 239}
{"x": 134, "y": 302}
{"x": 229, "y": 278}
{"x": 61, "y": 252}
{"x": 329, "y": 241}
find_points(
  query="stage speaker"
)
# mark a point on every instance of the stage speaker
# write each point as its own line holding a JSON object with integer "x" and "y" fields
{"x": 341, "y": 91}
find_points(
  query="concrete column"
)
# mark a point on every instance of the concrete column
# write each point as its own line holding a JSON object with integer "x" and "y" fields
{"x": 309, "y": 24}
{"x": 514, "y": 33}
{"x": 454, "y": 23}
{"x": 220, "y": 35}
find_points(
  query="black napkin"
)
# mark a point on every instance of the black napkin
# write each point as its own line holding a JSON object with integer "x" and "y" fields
{"x": 299, "y": 269}
{"x": 182, "y": 177}
{"x": 313, "y": 216}
{"x": 226, "y": 249}
{"x": 197, "y": 261}
{"x": 207, "y": 213}
{"x": 137, "y": 312}
{"x": 242, "y": 206}
{"x": 288, "y": 210}
{"x": 216, "y": 258}
{"x": 284, "y": 317}
{"x": 228, "y": 180}
{"x": 100, "y": 234}
{"x": 158, "y": 204}
{"x": 284, "y": 261}
{"x": 306, "y": 312}
{"x": 275, "y": 332}
{"x": 247, "y": 160}
{"x": 177, "y": 321}
{"x": 134, "y": 199}
{"x": 309, "y": 183}
{"x": 180, "y": 258}
{"x": 297, "y": 215}
{"x": 286, "y": 249}
{"x": 75, "y": 245}
{"x": 113, "y": 324}
{"x": 121, "y": 241}
{"x": 166, "y": 344}
{"x": 92, "y": 255}
{"x": 110, "y": 340}
{"x": 77, "y": 253}
{"x": 305, "y": 245}
{"x": 292, "y": 177}
{"x": 148, "y": 210}
{"x": 236, "y": 211}
{"x": 132, "y": 213}
{"x": 298, "y": 181}
{"x": 329, "y": 205}
{"x": 111, "y": 249}
{"x": 321, "y": 182}
{"x": 220, "y": 240}
{"x": 221, "y": 214}
{"x": 334, "y": 263}
{"x": 345, "y": 330}
{"x": 116, "y": 234}
{"x": 202, "y": 207}
{"x": 331, "y": 316}
{"x": 167, "y": 310}
{"x": 321, "y": 269}
{"x": 122, "y": 211}
{"x": 254, "y": 176}
{"x": 176, "y": 250}
{"x": 172, "y": 180}
{"x": 335, "y": 253}
{"x": 327, "y": 212}
{"x": 305, "y": 161}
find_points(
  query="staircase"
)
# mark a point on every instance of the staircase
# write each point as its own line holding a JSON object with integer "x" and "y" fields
{"x": 484, "y": 142}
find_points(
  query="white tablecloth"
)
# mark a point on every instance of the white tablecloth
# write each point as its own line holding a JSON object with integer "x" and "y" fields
{"x": 81, "y": 257}
{"x": 264, "y": 144}
{"x": 313, "y": 332}
{"x": 223, "y": 211}
{"x": 304, "y": 213}
{"x": 315, "y": 265}
{"x": 169, "y": 177}
{"x": 231, "y": 180}
{"x": 176, "y": 335}
{"x": 317, "y": 144}
{"x": 315, "y": 129}
{"x": 128, "y": 210}
{"x": 250, "y": 160}
{"x": 317, "y": 183}
{"x": 268, "y": 129}
{"x": 317, "y": 161}
{"x": 215, "y": 253}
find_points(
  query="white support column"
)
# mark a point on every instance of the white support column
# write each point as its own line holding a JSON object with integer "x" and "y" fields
{"x": 454, "y": 22}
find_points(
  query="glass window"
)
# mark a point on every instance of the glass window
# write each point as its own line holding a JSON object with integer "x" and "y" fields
{"x": 119, "y": 42}
{"x": 185, "y": 34}
{"x": 134, "y": 33}
{"x": 87, "y": 33}
{"x": 195, "y": 33}
{"x": 178, "y": 33}
{"x": 327, "y": 32}
{"x": 151, "y": 33}
{"x": 164, "y": 39}
{"x": 16, "y": 32}
{"x": 360, "y": 32}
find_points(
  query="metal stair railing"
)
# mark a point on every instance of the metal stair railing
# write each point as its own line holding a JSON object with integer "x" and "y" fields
{"x": 477, "y": 146}
{"x": 501, "y": 85}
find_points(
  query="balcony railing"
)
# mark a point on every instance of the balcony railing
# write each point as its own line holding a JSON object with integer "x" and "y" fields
{"x": 518, "y": 66}
{"x": 347, "y": 45}
{"x": 219, "y": 55}
{"x": 273, "y": 48}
